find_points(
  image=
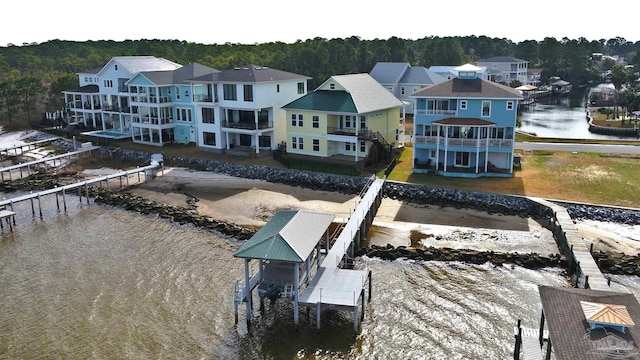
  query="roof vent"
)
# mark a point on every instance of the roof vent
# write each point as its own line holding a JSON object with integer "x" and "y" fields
{"x": 606, "y": 316}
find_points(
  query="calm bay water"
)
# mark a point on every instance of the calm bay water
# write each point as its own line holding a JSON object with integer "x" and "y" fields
{"x": 109, "y": 284}
{"x": 561, "y": 117}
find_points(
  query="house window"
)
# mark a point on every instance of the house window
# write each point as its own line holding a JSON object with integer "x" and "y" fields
{"x": 463, "y": 104}
{"x": 509, "y": 105}
{"x": 248, "y": 92}
{"x": 363, "y": 122}
{"x": 347, "y": 121}
{"x": 183, "y": 114}
{"x": 315, "y": 119}
{"x": 108, "y": 83}
{"x": 300, "y": 88}
{"x": 363, "y": 147}
{"x": 209, "y": 138}
{"x": 347, "y": 146}
{"x": 316, "y": 144}
{"x": 300, "y": 143}
{"x": 462, "y": 159}
{"x": 294, "y": 142}
{"x": 277, "y": 87}
{"x": 229, "y": 92}
{"x": 300, "y": 121}
{"x": 332, "y": 86}
{"x": 115, "y": 67}
{"x": 177, "y": 93}
{"x": 294, "y": 118}
{"x": 486, "y": 108}
{"x": 402, "y": 90}
{"x": 208, "y": 116}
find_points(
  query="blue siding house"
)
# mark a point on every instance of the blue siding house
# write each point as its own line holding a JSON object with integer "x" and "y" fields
{"x": 465, "y": 127}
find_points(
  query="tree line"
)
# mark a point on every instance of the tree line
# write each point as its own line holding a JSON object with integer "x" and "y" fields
{"x": 54, "y": 64}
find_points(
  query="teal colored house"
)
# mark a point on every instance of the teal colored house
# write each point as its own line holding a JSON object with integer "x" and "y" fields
{"x": 465, "y": 127}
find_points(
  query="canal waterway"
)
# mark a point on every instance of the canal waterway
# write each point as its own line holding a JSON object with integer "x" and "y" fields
{"x": 561, "y": 117}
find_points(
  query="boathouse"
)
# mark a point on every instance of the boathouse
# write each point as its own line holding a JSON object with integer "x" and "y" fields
{"x": 585, "y": 324}
{"x": 285, "y": 249}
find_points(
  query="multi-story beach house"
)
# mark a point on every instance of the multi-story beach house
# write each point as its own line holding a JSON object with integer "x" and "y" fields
{"x": 465, "y": 127}
{"x": 505, "y": 69}
{"x": 103, "y": 101}
{"x": 154, "y": 101}
{"x": 348, "y": 116}
{"x": 449, "y": 71}
{"x": 402, "y": 80}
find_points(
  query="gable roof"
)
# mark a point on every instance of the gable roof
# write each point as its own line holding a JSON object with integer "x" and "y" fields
{"x": 136, "y": 64}
{"x": 326, "y": 101}
{"x": 180, "y": 75}
{"x": 507, "y": 59}
{"x": 366, "y": 93}
{"x": 389, "y": 72}
{"x": 290, "y": 235}
{"x": 570, "y": 333}
{"x": 421, "y": 75}
{"x": 469, "y": 88}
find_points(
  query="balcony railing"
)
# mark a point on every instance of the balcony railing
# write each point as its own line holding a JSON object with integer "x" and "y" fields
{"x": 462, "y": 142}
{"x": 153, "y": 120}
{"x": 203, "y": 98}
{"x": 361, "y": 133}
{"x": 152, "y": 99}
{"x": 120, "y": 109}
{"x": 437, "y": 112}
{"x": 247, "y": 125}
{"x": 81, "y": 105}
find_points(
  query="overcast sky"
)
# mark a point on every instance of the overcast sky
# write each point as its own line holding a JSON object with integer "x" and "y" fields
{"x": 250, "y": 21}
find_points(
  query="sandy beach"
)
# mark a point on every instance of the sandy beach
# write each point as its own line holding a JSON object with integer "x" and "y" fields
{"x": 251, "y": 203}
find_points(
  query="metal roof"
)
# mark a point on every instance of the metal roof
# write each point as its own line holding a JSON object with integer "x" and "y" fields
{"x": 87, "y": 89}
{"x": 136, "y": 64}
{"x": 469, "y": 88}
{"x": 325, "y": 100}
{"x": 290, "y": 235}
{"x": 421, "y": 75}
{"x": 495, "y": 59}
{"x": 367, "y": 94}
{"x": 570, "y": 334}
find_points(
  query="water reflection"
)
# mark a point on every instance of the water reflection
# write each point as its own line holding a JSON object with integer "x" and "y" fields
{"x": 560, "y": 117}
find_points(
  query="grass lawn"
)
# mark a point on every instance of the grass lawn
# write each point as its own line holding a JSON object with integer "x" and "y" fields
{"x": 609, "y": 179}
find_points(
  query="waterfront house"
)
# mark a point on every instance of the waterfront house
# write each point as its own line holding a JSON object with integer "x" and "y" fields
{"x": 102, "y": 101}
{"x": 239, "y": 109}
{"x": 505, "y": 69}
{"x": 402, "y": 80}
{"x": 450, "y": 72}
{"x": 348, "y": 116}
{"x": 465, "y": 127}
{"x": 154, "y": 101}
{"x": 162, "y": 109}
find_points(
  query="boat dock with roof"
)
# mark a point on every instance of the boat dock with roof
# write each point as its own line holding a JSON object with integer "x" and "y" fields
{"x": 289, "y": 249}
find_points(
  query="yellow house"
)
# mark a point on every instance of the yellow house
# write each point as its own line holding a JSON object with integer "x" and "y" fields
{"x": 349, "y": 116}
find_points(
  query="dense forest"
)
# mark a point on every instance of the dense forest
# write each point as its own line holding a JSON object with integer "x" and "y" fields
{"x": 33, "y": 75}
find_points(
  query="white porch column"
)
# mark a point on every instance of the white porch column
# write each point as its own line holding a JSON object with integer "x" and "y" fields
{"x": 446, "y": 146}
{"x": 437, "y": 146}
{"x": 478, "y": 129}
{"x": 255, "y": 118}
{"x": 486, "y": 156}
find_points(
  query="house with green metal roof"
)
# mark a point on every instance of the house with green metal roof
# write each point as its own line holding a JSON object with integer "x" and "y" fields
{"x": 285, "y": 249}
{"x": 349, "y": 116}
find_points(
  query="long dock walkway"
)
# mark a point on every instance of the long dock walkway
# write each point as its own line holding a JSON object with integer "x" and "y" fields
{"x": 26, "y": 167}
{"x": 572, "y": 245}
{"x": 29, "y": 145}
{"x": 79, "y": 186}
{"x": 332, "y": 286}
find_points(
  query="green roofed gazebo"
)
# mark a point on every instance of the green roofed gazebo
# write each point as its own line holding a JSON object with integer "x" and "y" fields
{"x": 285, "y": 248}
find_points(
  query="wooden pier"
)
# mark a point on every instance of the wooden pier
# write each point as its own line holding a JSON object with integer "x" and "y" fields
{"x": 6, "y": 152}
{"x": 6, "y": 173}
{"x": 81, "y": 188}
{"x": 287, "y": 246}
